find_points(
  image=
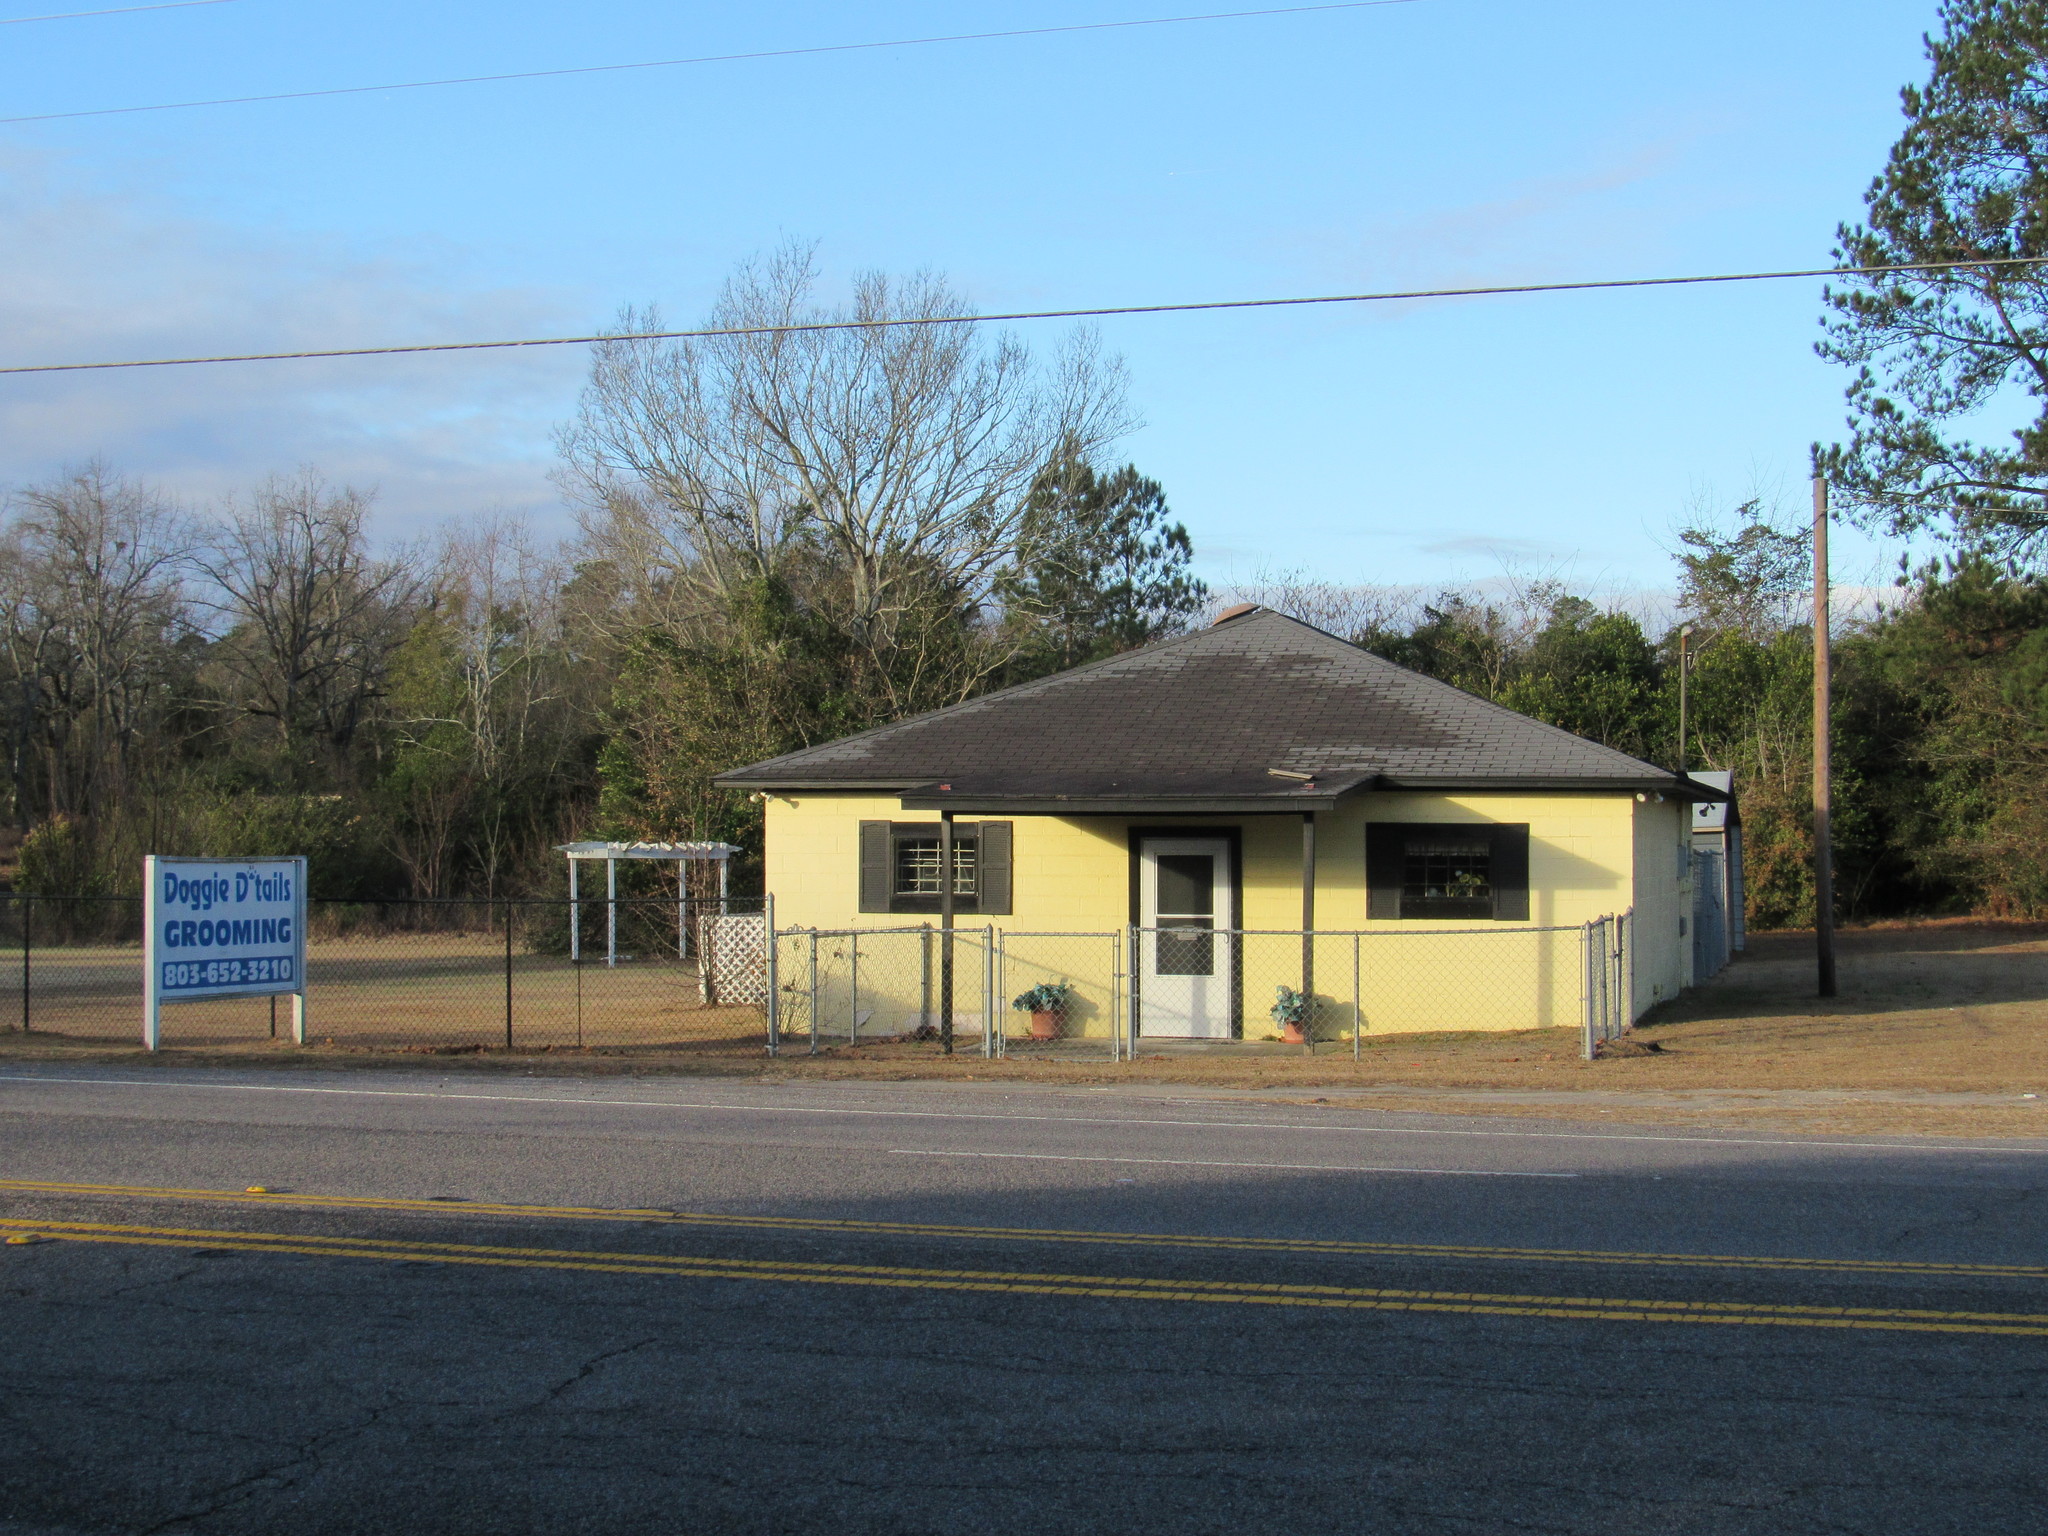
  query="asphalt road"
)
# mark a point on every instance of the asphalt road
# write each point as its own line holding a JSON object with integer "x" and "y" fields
{"x": 498, "y": 1304}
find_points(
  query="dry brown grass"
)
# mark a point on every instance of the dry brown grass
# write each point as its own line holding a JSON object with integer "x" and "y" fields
{"x": 1939, "y": 1030}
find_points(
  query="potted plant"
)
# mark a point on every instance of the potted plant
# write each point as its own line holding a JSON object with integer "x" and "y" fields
{"x": 1291, "y": 1012}
{"x": 1047, "y": 1005}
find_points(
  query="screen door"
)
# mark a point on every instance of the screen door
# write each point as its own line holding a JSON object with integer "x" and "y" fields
{"x": 1186, "y": 976}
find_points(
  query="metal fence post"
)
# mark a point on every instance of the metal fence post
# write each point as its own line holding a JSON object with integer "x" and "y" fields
{"x": 814, "y": 992}
{"x": 1604, "y": 960}
{"x": 1116, "y": 976}
{"x": 998, "y": 969}
{"x": 1357, "y": 999}
{"x": 28, "y": 917}
{"x": 771, "y": 968}
{"x": 508, "y": 973}
{"x": 853, "y": 990}
{"x": 1628, "y": 969}
{"x": 1133, "y": 963}
{"x": 1598, "y": 976}
{"x": 1586, "y": 990}
{"x": 703, "y": 959}
{"x": 1606, "y": 975}
{"x": 988, "y": 991}
{"x": 924, "y": 996}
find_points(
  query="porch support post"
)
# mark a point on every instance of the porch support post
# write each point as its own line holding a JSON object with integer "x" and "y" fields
{"x": 1308, "y": 921}
{"x": 946, "y": 932}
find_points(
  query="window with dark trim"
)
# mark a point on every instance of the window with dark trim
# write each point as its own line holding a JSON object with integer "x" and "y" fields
{"x": 899, "y": 866}
{"x": 1447, "y": 874}
{"x": 1447, "y": 871}
{"x": 915, "y": 859}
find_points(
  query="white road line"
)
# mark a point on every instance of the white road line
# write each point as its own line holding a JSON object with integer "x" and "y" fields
{"x": 933, "y": 1114}
{"x": 1186, "y": 1162}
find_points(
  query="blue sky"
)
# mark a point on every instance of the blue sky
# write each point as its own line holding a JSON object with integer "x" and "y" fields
{"x": 1439, "y": 142}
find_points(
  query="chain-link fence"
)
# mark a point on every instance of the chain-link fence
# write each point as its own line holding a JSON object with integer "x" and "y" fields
{"x": 444, "y": 975}
{"x": 917, "y": 989}
{"x": 653, "y": 973}
{"x": 1325, "y": 988}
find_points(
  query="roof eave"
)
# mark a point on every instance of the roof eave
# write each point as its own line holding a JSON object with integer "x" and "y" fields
{"x": 1661, "y": 783}
{"x": 925, "y": 795}
{"x": 776, "y": 786}
{"x": 1125, "y": 805}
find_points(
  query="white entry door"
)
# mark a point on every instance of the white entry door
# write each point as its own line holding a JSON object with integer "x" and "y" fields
{"x": 1186, "y": 978}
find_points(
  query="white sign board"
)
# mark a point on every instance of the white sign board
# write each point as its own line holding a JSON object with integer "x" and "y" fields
{"x": 222, "y": 928}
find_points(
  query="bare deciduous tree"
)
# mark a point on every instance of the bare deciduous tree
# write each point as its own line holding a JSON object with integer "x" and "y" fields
{"x": 312, "y": 617}
{"x": 495, "y": 711}
{"x": 1352, "y": 611}
{"x": 900, "y": 454}
{"x": 91, "y": 584}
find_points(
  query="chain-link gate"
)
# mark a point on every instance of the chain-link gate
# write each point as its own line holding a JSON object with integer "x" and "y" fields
{"x": 1061, "y": 994}
{"x": 1607, "y": 948}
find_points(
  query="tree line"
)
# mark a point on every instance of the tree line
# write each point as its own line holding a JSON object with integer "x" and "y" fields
{"x": 431, "y": 721}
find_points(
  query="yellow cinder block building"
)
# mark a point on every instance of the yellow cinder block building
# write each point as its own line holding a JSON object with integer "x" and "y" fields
{"x": 1178, "y": 833}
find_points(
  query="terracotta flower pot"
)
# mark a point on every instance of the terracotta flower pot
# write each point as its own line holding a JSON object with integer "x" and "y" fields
{"x": 1291, "y": 1034}
{"x": 1045, "y": 1024}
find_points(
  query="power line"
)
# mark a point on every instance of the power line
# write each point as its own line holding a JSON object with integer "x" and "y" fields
{"x": 1041, "y": 314}
{"x": 119, "y": 10}
{"x": 710, "y": 58}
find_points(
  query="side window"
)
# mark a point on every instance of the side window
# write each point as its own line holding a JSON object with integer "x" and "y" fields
{"x": 899, "y": 866}
{"x": 1447, "y": 871}
{"x": 1447, "y": 874}
{"x": 915, "y": 856}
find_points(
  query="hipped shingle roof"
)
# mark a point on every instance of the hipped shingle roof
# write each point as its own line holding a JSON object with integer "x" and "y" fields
{"x": 1208, "y": 717}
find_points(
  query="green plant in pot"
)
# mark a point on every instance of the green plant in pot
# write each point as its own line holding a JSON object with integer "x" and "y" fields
{"x": 1291, "y": 1011}
{"x": 1047, "y": 1004}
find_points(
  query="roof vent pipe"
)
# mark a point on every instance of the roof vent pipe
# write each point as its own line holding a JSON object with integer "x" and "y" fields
{"x": 1234, "y": 611}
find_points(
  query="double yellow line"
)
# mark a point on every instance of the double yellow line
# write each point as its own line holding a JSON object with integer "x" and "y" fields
{"x": 1066, "y": 1236}
{"x": 1016, "y": 1283}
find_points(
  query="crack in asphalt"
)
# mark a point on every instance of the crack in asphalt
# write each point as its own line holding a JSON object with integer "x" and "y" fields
{"x": 576, "y": 1378}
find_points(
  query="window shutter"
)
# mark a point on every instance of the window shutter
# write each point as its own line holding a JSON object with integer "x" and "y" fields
{"x": 875, "y": 882}
{"x": 1511, "y": 872}
{"x": 992, "y": 862}
{"x": 1384, "y": 846}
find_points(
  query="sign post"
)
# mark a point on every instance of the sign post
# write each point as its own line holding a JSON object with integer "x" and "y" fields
{"x": 222, "y": 928}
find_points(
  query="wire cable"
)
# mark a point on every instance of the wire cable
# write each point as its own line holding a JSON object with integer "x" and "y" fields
{"x": 119, "y": 10}
{"x": 709, "y": 58}
{"x": 1094, "y": 312}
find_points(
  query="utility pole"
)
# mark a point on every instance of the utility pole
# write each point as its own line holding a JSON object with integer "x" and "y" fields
{"x": 1684, "y": 666}
{"x": 1823, "y": 797}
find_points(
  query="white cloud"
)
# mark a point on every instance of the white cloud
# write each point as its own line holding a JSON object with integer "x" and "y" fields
{"x": 90, "y": 276}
